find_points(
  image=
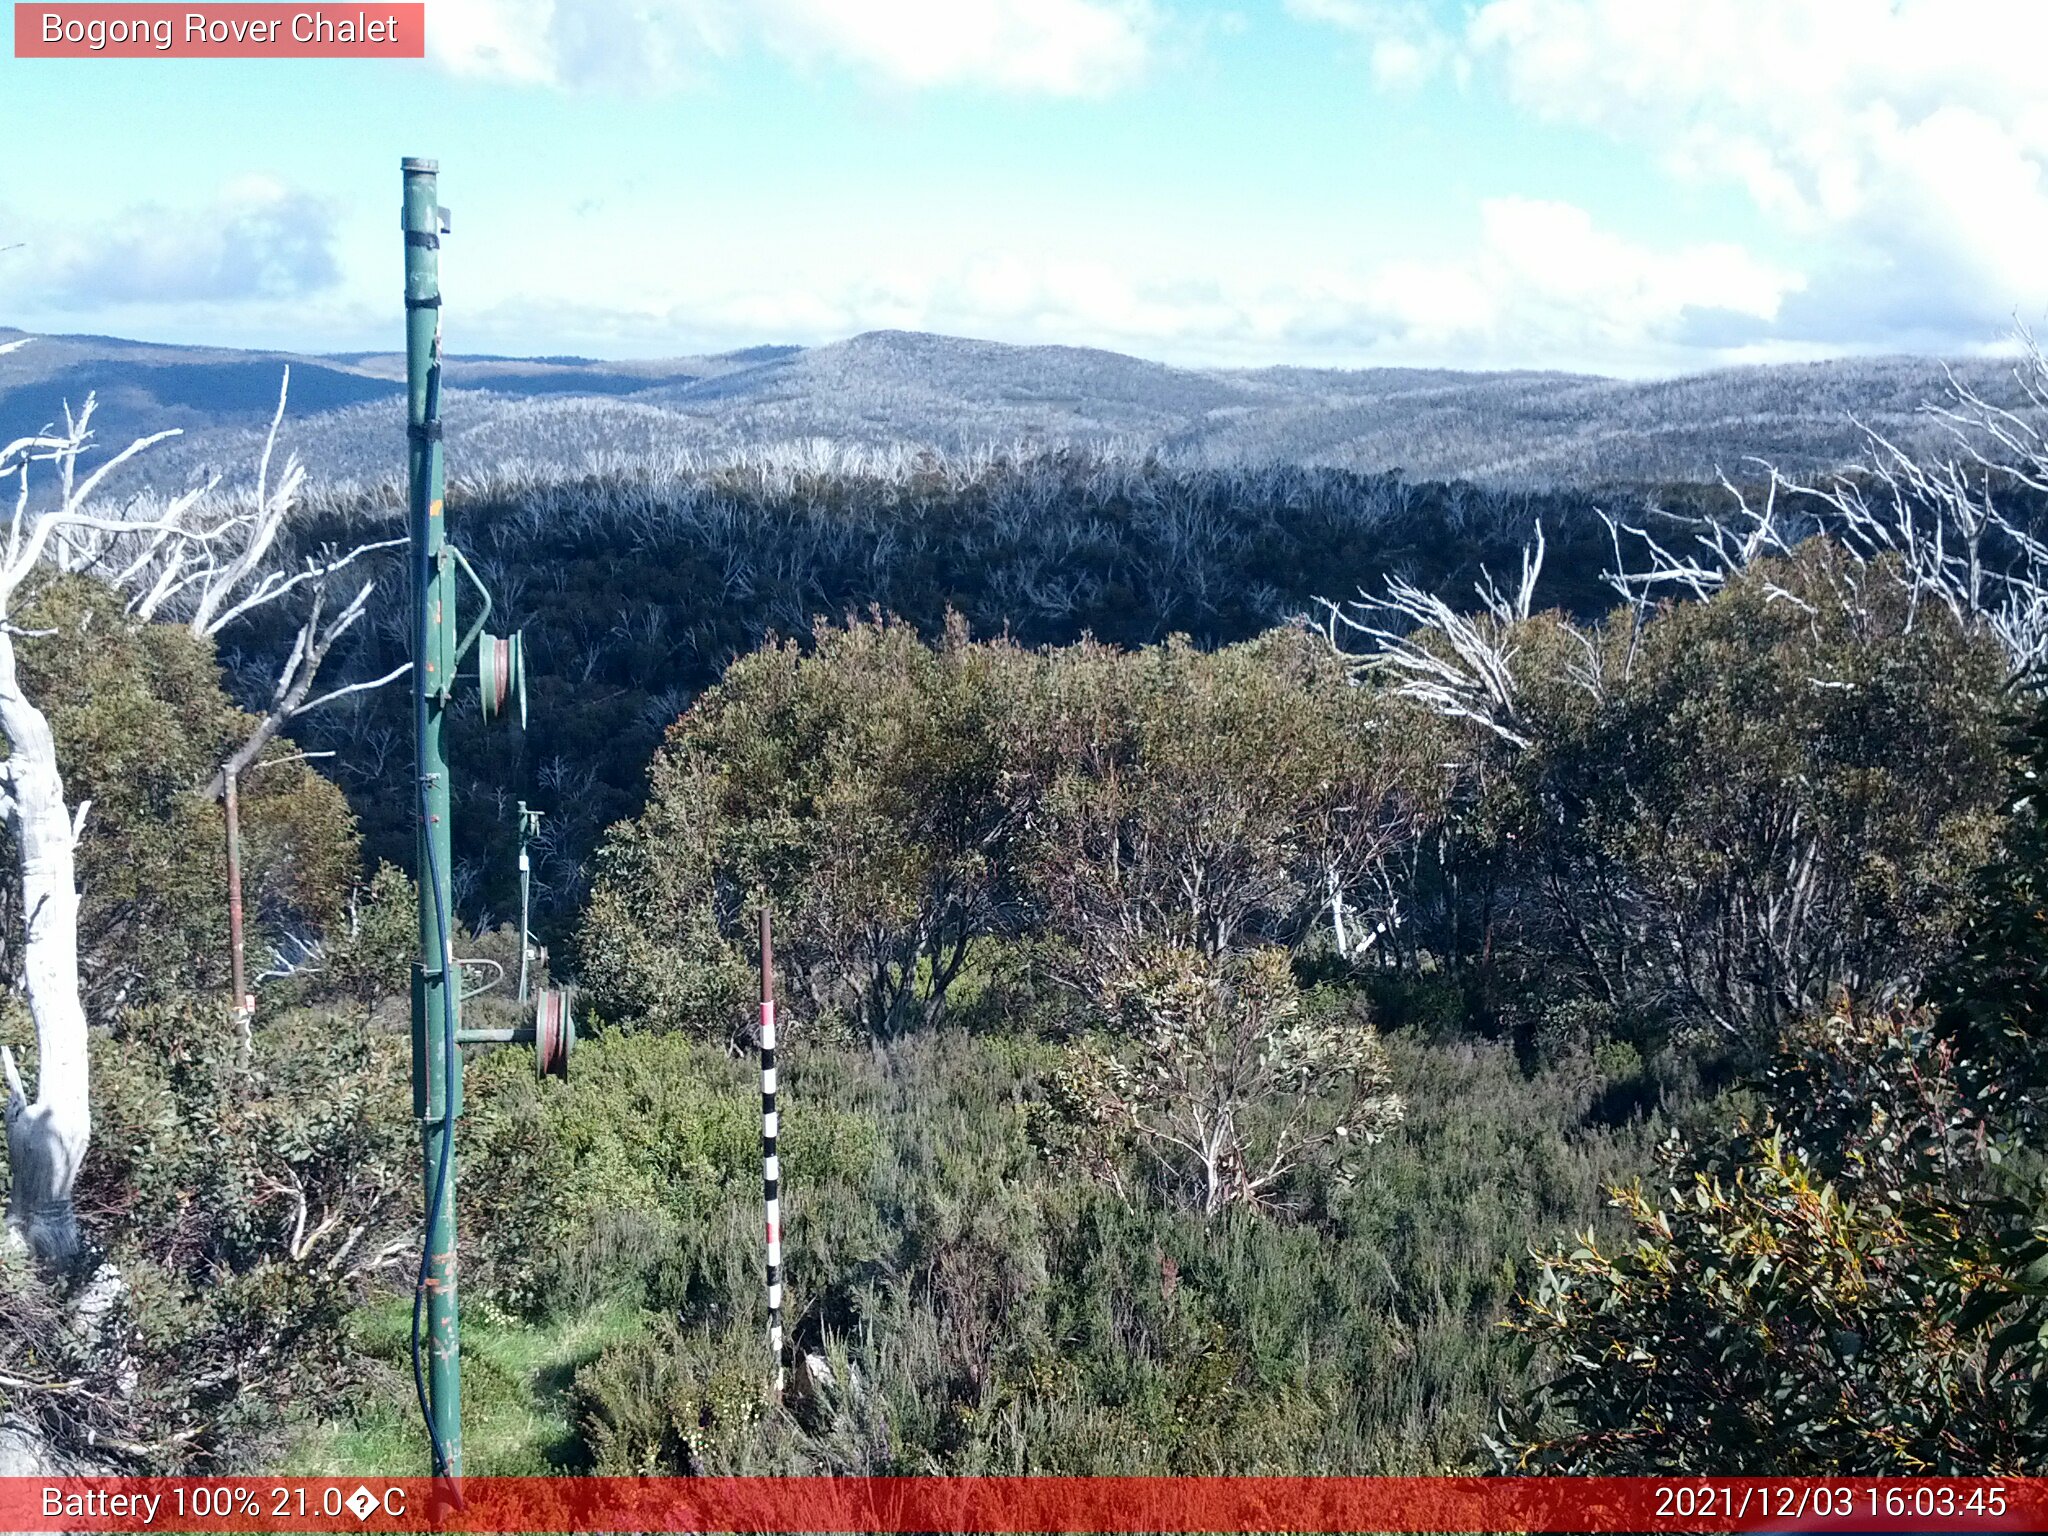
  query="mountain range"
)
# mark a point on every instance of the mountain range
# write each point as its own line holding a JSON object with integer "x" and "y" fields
{"x": 892, "y": 389}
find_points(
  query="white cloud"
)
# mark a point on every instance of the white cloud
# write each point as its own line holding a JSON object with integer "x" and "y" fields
{"x": 1546, "y": 284}
{"x": 1543, "y": 285}
{"x": 1902, "y": 143}
{"x": 1407, "y": 46}
{"x": 621, "y": 45}
{"x": 493, "y": 39}
{"x": 1058, "y": 47}
{"x": 1905, "y": 140}
{"x": 1063, "y": 47}
{"x": 257, "y": 239}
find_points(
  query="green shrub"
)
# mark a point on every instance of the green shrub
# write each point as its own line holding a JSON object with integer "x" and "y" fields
{"x": 141, "y": 723}
{"x": 854, "y": 789}
{"x": 625, "y": 1175}
{"x": 1794, "y": 1297}
{"x": 671, "y": 1402}
{"x": 246, "y": 1207}
{"x": 979, "y": 1312}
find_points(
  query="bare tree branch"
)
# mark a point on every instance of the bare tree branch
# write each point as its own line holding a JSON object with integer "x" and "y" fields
{"x": 1468, "y": 673}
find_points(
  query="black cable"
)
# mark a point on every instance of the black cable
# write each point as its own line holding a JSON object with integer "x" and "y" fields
{"x": 434, "y": 1204}
{"x": 422, "y": 575}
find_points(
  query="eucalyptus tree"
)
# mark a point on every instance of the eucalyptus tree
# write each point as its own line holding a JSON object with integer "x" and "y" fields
{"x": 1222, "y": 1078}
{"x": 189, "y": 554}
{"x": 209, "y": 598}
{"x": 1759, "y": 778}
{"x": 854, "y": 788}
{"x": 1189, "y": 819}
{"x": 1851, "y": 1279}
{"x": 47, "y": 1136}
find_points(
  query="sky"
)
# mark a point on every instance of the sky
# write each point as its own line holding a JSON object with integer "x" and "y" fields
{"x": 1633, "y": 187}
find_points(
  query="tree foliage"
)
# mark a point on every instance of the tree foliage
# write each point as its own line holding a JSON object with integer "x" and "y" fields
{"x": 1854, "y": 1280}
{"x": 638, "y": 591}
{"x": 1215, "y": 801}
{"x": 239, "y": 1196}
{"x": 1731, "y": 809}
{"x": 1225, "y": 1079}
{"x": 1793, "y": 1298}
{"x": 855, "y": 790}
{"x": 141, "y": 723}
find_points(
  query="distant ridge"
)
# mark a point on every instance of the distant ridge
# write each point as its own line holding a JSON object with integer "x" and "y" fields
{"x": 764, "y": 354}
{"x": 890, "y": 388}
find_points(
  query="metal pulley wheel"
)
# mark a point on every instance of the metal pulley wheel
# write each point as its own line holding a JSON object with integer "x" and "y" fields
{"x": 501, "y": 674}
{"x": 554, "y": 1031}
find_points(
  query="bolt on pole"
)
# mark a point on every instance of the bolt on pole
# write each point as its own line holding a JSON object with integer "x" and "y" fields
{"x": 436, "y": 989}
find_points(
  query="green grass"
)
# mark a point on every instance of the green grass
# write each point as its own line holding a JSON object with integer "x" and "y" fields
{"x": 515, "y": 1383}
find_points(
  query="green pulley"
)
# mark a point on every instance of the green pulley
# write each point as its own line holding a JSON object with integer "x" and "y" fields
{"x": 501, "y": 674}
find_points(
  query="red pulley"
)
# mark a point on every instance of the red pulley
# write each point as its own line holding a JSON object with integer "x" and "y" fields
{"x": 501, "y": 674}
{"x": 554, "y": 1032}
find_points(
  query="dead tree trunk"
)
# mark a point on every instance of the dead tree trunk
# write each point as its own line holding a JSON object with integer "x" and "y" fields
{"x": 173, "y": 557}
{"x": 47, "y": 1135}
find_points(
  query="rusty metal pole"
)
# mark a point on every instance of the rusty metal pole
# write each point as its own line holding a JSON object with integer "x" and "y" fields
{"x": 237, "y": 966}
{"x": 771, "y": 1162}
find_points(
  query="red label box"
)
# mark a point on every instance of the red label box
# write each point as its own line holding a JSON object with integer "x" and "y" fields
{"x": 1673, "y": 1506}
{"x": 108, "y": 30}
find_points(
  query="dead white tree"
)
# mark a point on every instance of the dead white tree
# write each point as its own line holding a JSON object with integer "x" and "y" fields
{"x": 1938, "y": 526}
{"x": 189, "y": 556}
{"x": 47, "y": 1135}
{"x": 208, "y": 589}
{"x": 1454, "y": 664}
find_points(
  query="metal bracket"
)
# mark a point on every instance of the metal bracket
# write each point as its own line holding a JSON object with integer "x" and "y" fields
{"x": 478, "y": 991}
{"x": 462, "y": 646}
{"x": 552, "y": 1034}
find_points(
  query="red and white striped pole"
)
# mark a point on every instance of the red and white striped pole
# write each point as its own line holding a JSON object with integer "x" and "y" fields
{"x": 771, "y": 1163}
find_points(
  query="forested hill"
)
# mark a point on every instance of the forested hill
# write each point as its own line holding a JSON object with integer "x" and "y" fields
{"x": 891, "y": 388}
{"x": 636, "y": 591}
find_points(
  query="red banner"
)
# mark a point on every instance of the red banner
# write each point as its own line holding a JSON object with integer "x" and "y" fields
{"x": 240, "y": 31}
{"x": 1021, "y": 1504}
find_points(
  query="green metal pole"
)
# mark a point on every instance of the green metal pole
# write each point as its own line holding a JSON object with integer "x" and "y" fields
{"x": 436, "y": 992}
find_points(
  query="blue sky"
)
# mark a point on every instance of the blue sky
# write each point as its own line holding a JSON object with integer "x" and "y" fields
{"x": 1628, "y": 186}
